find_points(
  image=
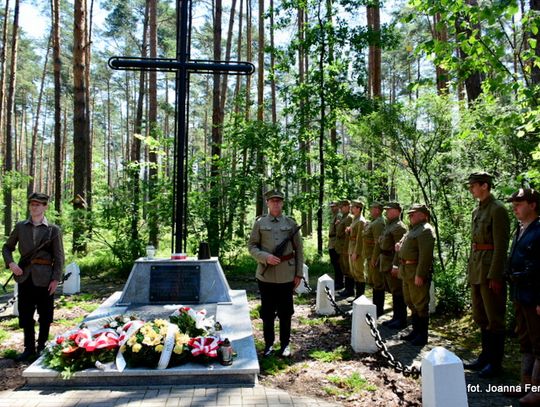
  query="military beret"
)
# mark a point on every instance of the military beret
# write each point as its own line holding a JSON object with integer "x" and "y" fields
{"x": 376, "y": 204}
{"x": 524, "y": 194}
{"x": 393, "y": 205}
{"x": 273, "y": 193}
{"x": 358, "y": 203}
{"x": 480, "y": 177}
{"x": 418, "y": 208}
{"x": 38, "y": 197}
{"x": 344, "y": 202}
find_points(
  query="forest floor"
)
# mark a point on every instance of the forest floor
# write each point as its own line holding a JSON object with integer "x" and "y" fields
{"x": 323, "y": 364}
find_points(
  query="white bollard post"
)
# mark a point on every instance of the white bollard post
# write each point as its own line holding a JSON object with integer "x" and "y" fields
{"x": 432, "y": 300}
{"x": 73, "y": 284}
{"x": 323, "y": 306}
{"x": 361, "y": 339}
{"x": 443, "y": 379}
{"x": 302, "y": 289}
{"x": 15, "y": 311}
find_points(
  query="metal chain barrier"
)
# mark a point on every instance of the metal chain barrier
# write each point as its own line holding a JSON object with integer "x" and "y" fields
{"x": 8, "y": 304}
{"x": 306, "y": 284}
{"x": 398, "y": 367}
{"x": 337, "y": 308}
{"x": 105, "y": 280}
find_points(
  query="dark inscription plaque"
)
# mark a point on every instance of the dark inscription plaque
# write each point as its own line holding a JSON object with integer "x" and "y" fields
{"x": 174, "y": 284}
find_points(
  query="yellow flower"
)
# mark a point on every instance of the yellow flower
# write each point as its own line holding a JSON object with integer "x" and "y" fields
{"x": 178, "y": 349}
{"x": 132, "y": 340}
{"x": 159, "y": 348}
{"x": 136, "y": 348}
{"x": 123, "y": 348}
{"x": 181, "y": 339}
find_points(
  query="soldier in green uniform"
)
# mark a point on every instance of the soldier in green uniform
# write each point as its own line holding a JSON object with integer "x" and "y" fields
{"x": 277, "y": 277}
{"x": 490, "y": 236}
{"x": 342, "y": 247}
{"x": 372, "y": 231}
{"x": 334, "y": 255}
{"x": 415, "y": 255}
{"x": 391, "y": 234}
{"x": 356, "y": 240}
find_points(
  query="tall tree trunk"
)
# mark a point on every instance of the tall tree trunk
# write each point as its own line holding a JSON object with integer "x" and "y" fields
{"x": 152, "y": 121}
{"x": 89, "y": 123}
{"x": 227, "y": 56}
{"x": 213, "y": 225}
{"x": 260, "y": 103}
{"x": 80, "y": 128}
{"x": 322, "y": 131}
{"x": 272, "y": 65}
{"x": 10, "y": 107}
{"x": 3, "y": 69}
{"x": 535, "y": 72}
{"x": 249, "y": 58}
{"x": 239, "y": 51}
{"x": 58, "y": 161}
{"x": 32, "y": 158}
{"x": 440, "y": 33}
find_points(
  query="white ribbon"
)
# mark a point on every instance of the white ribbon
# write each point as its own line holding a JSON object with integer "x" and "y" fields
{"x": 168, "y": 346}
{"x": 132, "y": 328}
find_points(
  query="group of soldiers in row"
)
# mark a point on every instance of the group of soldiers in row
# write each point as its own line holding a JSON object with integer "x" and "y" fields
{"x": 400, "y": 261}
{"x": 397, "y": 260}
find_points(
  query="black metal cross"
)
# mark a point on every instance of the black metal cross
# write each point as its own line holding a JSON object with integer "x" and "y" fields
{"x": 183, "y": 66}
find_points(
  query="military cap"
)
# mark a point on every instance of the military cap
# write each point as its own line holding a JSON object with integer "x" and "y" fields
{"x": 273, "y": 193}
{"x": 344, "y": 202}
{"x": 393, "y": 205}
{"x": 524, "y": 194}
{"x": 358, "y": 203}
{"x": 480, "y": 177}
{"x": 376, "y": 204}
{"x": 38, "y": 197}
{"x": 418, "y": 208}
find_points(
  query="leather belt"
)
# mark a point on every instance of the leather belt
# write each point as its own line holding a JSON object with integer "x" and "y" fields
{"x": 482, "y": 246}
{"x": 408, "y": 262}
{"x": 43, "y": 262}
{"x": 287, "y": 257}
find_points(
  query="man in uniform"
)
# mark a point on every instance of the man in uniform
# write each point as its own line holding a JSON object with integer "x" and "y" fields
{"x": 372, "y": 231}
{"x": 391, "y": 234}
{"x": 490, "y": 235}
{"x": 356, "y": 240}
{"x": 334, "y": 255}
{"x": 342, "y": 247}
{"x": 415, "y": 255}
{"x": 38, "y": 272}
{"x": 277, "y": 277}
{"x": 524, "y": 275}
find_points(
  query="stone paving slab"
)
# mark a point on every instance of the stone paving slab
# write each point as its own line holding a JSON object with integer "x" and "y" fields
{"x": 189, "y": 396}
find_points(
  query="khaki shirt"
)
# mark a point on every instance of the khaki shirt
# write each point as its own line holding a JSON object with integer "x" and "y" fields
{"x": 27, "y": 236}
{"x": 267, "y": 233}
{"x": 356, "y": 237}
{"x": 416, "y": 252}
{"x": 391, "y": 234}
{"x": 491, "y": 226}
{"x": 342, "y": 241}
{"x": 332, "y": 232}
{"x": 371, "y": 233}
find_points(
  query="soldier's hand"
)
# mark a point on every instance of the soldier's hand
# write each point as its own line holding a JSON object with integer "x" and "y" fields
{"x": 418, "y": 281}
{"x": 374, "y": 263}
{"x": 273, "y": 260}
{"x": 394, "y": 271}
{"x": 354, "y": 256}
{"x": 297, "y": 280}
{"x": 496, "y": 286}
{"x": 397, "y": 246}
{"x": 348, "y": 229}
{"x": 15, "y": 269}
{"x": 52, "y": 287}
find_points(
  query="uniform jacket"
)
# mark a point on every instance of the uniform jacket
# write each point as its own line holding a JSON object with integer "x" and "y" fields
{"x": 391, "y": 234}
{"x": 417, "y": 248}
{"x": 524, "y": 266}
{"x": 267, "y": 233}
{"x": 22, "y": 235}
{"x": 342, "y": 241}
{"x": 490, "y": 225}
{"x": 332, "y": 232}
{"x": 356, "y": 237}
{"x": 372, "y": 231}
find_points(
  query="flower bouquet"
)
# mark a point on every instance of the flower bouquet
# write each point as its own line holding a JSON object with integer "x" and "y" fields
{"x": 80, "y": 349}
{"x": 194, "y": 323}
{"x": 204, "y": 349}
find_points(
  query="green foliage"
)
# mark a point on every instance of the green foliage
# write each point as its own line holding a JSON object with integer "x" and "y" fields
{"x": 336, "y": 355}
{"x": 348, "y": 385}
{"x": 4, "y": 336}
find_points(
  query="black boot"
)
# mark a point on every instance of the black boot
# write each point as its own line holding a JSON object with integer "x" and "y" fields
{"x": 29, "y": 345}
{"x": 348, "y": 291}
{"x": 360, "y": 289}
{"x": 400, "y": 313}
{"x": 495, "y": 355}
{"x": 378, "y": 300}
{"x": 269, "y": 336}
{"x": 422, "y": 337}
{"x": 43, "y": 337}
{"x": 411, "y": 335}
{"x": 482, "y": 359}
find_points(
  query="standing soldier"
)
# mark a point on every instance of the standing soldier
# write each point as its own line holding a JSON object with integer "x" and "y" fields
{"x": 277, "y": 276}
{"x": 415, "y": 254}
{"x": 524, "y": 274}
{"x": 392, "y": 233}
{"x": 371, "y": 233}
{"x": 490, "y": 235}
{"x": 356, "y": 240}
{"x": 342, "y": 247}
{"x": 334, "y": 255}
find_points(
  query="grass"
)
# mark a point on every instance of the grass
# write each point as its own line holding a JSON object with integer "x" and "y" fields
{"x": 348, "y": 385}
{"x": 12, "y": 323}
{"x": 71, "y": 322}
{"x": 336, "y": 355}
{"x": 4, "y": 335}
{"x": 313, "y": 321}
